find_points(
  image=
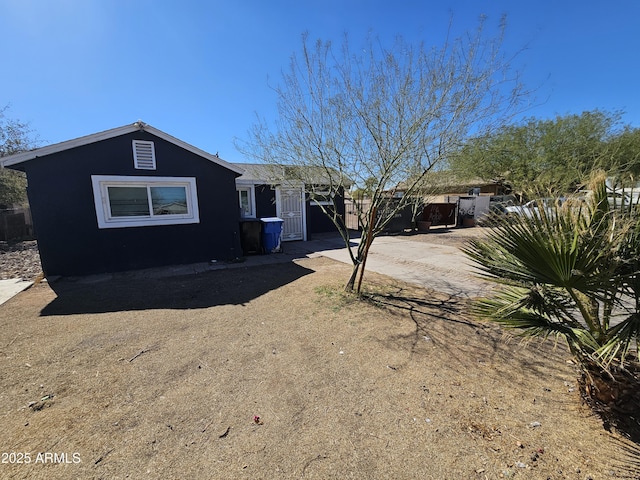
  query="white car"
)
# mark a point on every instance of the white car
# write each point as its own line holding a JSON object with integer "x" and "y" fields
{"x": 532, "y": 208}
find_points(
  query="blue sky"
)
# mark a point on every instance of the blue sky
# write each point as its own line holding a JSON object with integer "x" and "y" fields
{"x": 200, "y": 70}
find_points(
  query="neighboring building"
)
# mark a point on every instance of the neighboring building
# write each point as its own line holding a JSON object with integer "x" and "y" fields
{"x": 128, "y": 198}
{"x": 269, "y": 191}
{"x": 440, "y": 185}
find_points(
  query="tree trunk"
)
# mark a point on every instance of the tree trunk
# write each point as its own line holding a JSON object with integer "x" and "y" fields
{"x": 367, "y": 246}
{"x": 352, "y": 280}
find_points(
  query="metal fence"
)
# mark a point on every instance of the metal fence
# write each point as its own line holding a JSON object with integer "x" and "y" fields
{"x": 351, "y": 213}
{"x": 15, "y": 223}
{"x": 436, "y": 213}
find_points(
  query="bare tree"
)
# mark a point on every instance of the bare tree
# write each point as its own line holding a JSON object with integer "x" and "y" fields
{"x": 387, "y": 114}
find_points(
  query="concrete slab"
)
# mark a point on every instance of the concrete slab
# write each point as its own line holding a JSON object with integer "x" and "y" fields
{"x": 9, "y": 288}
{"x": 439, "y": 267}
{"x": 442, "y": 268}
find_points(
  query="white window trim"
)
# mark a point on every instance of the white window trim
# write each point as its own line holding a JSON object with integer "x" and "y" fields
{"x": 315, "y": 202}
{"x": 142, "y": 162}
{"x": 252, "y": 198}
{"x": 100, "y": 184}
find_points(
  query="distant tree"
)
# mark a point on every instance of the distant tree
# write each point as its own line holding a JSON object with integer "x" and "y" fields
{"x": 360, "y": 193}
{"x": 15, "y": 137}
{"x": 377, "y": 118}
{"x": 623, "y": 161}
{"x": 544, "y": 157}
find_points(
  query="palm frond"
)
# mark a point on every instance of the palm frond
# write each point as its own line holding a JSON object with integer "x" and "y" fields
{"x": 622, "y": 339}
{"x": 566, "y": 272}
{"x": 549, "y": 248}
{"x": 530, "y": 323}
{"x": 523, "y": 308}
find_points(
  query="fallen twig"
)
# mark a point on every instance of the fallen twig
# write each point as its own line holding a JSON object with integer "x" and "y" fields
{"x": 311, "y": 460}
{"x": 137, "y": 355}
{"x": 102, "y": 456}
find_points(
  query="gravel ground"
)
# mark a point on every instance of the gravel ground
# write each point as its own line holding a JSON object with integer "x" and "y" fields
{"x": 19, "y": 260}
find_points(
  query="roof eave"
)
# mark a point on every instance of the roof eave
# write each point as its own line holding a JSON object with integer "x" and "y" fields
{"x": 18, "y": 158}
{"x": 66, "y": 145}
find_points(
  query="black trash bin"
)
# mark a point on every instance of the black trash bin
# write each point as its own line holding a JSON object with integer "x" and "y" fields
{"x": 250, "y": 236}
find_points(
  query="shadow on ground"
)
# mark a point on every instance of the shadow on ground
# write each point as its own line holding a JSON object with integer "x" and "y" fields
{"x": 439, "y": 318}
{"x": 629, "y": 459}
{"x": 122, "y": 292}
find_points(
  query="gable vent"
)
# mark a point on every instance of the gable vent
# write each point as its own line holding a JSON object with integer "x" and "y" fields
{"x": 144, "y": 155}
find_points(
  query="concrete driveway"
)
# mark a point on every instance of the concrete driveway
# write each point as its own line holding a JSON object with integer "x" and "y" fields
{"x": 11, "y": 287}
{"x": 429, "y": 262}
{"x": 432, "y": 265}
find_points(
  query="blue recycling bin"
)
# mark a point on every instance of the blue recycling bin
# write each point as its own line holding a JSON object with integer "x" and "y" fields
{"x": 271, "y": 234}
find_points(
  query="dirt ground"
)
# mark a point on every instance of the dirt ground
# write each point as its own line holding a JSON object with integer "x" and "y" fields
{"x": 273, "y": 372}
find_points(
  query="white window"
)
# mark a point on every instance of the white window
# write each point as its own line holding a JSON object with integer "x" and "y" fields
{"x": 321, "y": 198}
{"x": 247, "y": 201}
{"x": 141, "y": 201}
{"x": 144, "y": 155}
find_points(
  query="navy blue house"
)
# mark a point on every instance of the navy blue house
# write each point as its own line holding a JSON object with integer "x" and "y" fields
{"x": 128, "y": 198}
{"x": 266, "y": 191}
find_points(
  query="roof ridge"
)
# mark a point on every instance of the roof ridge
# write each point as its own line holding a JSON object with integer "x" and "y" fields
{"x": 18, "y": 158}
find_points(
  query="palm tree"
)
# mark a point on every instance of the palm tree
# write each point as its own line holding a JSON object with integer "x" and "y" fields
{"x": 571, "y": 272}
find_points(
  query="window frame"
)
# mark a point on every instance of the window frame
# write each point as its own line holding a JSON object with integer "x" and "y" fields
{"x": 321, "y": 197}
{"x": 101, "y": 184}
{"x": 252, "y": 200}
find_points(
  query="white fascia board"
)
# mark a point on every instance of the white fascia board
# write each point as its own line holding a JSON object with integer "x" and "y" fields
{"x": 247, "y": 183}
{"x": 271, "y": 183}
{"x": 292, "y": 184}
{"x": 107, "y": 134}
{"x": 69, "y": 144}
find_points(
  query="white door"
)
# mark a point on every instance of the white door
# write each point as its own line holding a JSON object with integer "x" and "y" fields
{"x": 290, "y": 208}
